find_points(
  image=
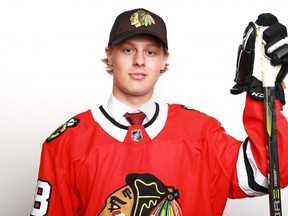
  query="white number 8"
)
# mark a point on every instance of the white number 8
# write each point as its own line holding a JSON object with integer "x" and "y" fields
{"x": 42, "y": 197}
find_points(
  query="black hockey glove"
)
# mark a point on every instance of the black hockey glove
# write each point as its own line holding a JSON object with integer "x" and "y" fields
{"x": 264, "y": 48}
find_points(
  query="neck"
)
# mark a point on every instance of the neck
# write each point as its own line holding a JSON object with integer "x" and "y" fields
{"x": 133, "y": 100}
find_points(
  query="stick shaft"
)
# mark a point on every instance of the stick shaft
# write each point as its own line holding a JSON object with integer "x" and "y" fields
{"x": 271, "y": 131}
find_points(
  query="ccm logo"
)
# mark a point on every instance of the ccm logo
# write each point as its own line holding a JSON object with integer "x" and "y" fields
{"x": 259, "y": 95}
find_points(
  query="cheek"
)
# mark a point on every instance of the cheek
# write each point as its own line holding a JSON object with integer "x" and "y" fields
{"x": 155, "y": 70}
{"x": 156, "y": 65}
{"x": 120, "y": 61}
{"x": 118, "y": 213}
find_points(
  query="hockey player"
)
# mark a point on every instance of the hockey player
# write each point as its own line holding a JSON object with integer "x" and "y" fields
{"x": 174, "y": 160}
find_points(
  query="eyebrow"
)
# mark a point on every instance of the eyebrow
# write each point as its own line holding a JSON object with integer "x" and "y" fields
{"x": 155, "y": 44}
{"x": 117, "y": 199}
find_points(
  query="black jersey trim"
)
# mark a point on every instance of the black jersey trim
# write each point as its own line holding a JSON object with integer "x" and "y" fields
{"x": 154, "y": 116}
{"x": 111, "y": 119}
{"x": 126, "y": 127}
{"x": 251, "y": 182}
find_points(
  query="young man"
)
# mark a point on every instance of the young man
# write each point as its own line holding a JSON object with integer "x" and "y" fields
{"x": 172, "y": 161}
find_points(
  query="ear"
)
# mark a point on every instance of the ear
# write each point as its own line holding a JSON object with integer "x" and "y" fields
{"x": 108, "y": 52}
{"x": 166, "y": 56}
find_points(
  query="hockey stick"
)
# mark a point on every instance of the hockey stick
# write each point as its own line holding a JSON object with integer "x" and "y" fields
{"x": 271, "y": 133}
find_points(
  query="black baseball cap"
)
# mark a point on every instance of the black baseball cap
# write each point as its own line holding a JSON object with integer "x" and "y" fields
{"x": 135, "y": 22}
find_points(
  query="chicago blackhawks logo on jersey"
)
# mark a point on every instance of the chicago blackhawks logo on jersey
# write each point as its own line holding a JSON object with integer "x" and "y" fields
{"x": 143, "y": 195}
{"x": 73, "y": 122}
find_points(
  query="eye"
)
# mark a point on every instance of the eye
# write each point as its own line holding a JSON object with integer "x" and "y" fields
{"x": 128, "y": 50}
{"x": 115, "y": 203}
{"x": 150, "y": 53}
{"x": 113, "y": 206}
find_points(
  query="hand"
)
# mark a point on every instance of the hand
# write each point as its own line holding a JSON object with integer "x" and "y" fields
{"x": 263, "y": 51}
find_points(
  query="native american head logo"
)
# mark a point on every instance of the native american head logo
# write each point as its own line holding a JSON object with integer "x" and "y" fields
{"x": 141, "y": 18}
{"x": 73, "y": 122}
{"x": 144, "y": 195}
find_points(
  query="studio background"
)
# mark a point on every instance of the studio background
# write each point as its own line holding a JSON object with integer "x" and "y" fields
{"x": 51, "y": 69}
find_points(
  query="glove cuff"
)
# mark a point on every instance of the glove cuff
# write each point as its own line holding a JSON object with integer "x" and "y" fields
{"x": 255, "y": 90}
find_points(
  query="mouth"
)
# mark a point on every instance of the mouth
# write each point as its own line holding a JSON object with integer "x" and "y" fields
{"x": 138, "y": 76}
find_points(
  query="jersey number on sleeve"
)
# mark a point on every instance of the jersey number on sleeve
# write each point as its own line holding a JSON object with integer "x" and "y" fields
{"x": 42, "y": 197}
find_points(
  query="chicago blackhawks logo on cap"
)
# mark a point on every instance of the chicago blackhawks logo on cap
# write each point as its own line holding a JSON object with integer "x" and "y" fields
{"x": 141, "y": 18}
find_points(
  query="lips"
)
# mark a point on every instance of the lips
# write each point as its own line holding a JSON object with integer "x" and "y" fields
{"x": 118, "y": 213}
{"x": 138, "y": 76}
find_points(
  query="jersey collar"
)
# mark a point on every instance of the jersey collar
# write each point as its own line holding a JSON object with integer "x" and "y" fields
{"x": 117, "y": 109}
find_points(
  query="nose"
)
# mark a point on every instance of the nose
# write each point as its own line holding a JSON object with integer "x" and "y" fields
{"x": 139, "y": 59}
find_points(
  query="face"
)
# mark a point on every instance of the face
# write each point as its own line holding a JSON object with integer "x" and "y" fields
{"x": 135, "y": 20}
{"x": 137, "y": 63}
{"x": 119, "y": 203}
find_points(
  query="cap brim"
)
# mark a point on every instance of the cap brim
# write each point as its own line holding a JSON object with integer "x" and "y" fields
{"x": 127, "y": 35}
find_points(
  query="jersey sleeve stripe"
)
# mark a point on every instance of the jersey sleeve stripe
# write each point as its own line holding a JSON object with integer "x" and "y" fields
{"x": 251, "y": 180}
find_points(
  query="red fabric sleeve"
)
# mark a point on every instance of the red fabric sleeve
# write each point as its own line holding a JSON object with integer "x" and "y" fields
{"x": 254, "y": 123}
{"x": 55, "y": 194}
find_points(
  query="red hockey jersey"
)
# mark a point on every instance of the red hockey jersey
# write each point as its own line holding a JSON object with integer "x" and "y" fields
{"x": 182, "y": 161}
